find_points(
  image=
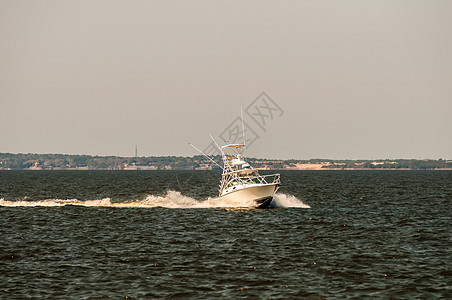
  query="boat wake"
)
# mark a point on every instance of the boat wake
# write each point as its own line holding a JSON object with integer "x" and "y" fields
{"x": 281, "y": 200}
{"x": 172, "y": 199}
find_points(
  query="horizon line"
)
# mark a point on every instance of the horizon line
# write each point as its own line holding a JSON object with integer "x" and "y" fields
{"x": 315, "y": 158}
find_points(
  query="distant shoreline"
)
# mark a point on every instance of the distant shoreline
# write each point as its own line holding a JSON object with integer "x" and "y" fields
{"x": 170, "y": 170}
{"x": 9, "y": 161}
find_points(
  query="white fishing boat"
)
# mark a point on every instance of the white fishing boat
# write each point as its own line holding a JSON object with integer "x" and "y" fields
{"x": 240, "y": 182}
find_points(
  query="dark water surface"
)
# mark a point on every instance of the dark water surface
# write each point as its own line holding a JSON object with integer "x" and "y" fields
{"x": 380, "y": 234}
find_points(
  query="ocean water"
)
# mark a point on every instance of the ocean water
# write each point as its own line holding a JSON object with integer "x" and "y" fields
{"x": 162, "y": 234}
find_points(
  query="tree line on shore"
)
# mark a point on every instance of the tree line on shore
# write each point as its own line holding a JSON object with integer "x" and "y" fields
{"x": 31, "y": 161}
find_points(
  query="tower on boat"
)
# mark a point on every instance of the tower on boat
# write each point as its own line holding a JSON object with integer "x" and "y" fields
{"x": 240, "y": 182}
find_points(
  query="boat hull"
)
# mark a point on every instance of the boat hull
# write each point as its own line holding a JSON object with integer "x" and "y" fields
{"x": 260, "y": 194}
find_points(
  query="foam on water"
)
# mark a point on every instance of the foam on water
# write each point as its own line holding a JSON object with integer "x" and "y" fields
{"x": 57, "y": 202}
{"x": 281, "y": 200}
{"x": 172, "y": 199}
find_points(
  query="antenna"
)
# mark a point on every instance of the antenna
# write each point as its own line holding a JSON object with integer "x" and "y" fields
{"x": 243, "y": 129}
{"x": 136, "y": 150}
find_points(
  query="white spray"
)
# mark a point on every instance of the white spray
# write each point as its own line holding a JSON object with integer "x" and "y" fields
{"x": 172, "y": 199}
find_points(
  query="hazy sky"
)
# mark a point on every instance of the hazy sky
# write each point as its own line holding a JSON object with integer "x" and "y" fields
{"x": 352, "y": 79}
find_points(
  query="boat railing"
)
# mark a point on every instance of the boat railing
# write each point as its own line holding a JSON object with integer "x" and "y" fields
{"x": 259, "y": 179}
{"x": 271, "y": 178}
{"x": 233, "y": 179}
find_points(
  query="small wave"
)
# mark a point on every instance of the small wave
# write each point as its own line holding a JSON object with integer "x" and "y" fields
{"x": 281, "y": 200}
{"x": 172, "y": 199}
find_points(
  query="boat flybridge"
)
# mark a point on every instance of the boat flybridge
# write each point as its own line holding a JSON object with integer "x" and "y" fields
{"x": 240, "y": 182}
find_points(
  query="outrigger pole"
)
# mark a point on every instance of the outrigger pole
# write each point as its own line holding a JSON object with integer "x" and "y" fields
{"x": 216, "y": 144}
{"x": 205, "y": 155}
